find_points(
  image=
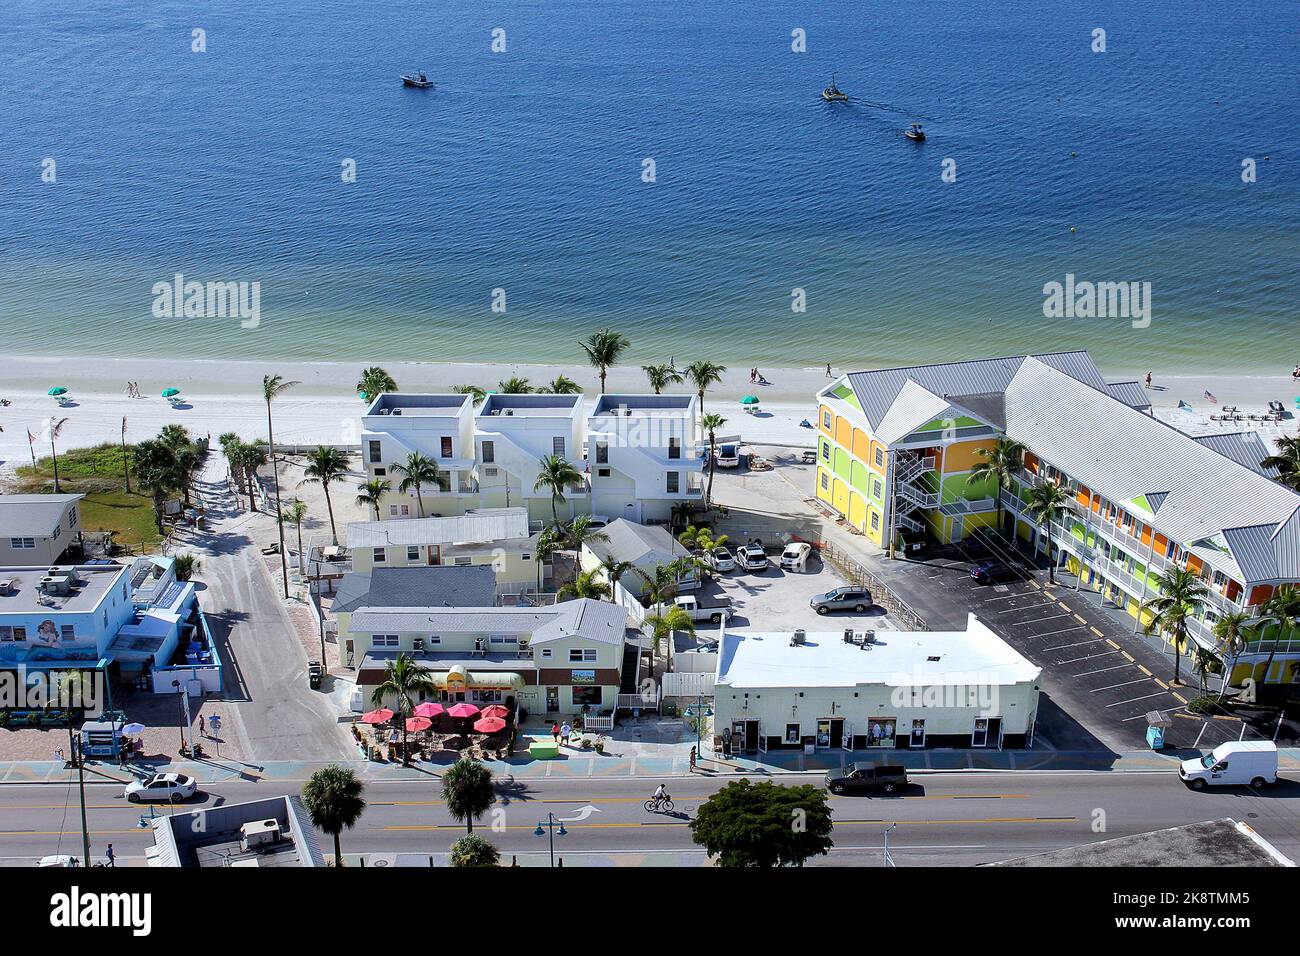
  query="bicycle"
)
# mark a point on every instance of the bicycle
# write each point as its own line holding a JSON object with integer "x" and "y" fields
{"x": 656, "y": 805}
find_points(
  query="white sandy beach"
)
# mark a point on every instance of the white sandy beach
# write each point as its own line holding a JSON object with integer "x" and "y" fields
{"x": 223, "y": 396}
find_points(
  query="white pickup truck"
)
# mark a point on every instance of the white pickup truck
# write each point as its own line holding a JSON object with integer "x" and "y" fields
{"x": 702, "y": 611}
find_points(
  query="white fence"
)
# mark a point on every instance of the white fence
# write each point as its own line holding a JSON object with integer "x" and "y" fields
{"x": 690, "y": 683}
{"x": 635, "y": 611}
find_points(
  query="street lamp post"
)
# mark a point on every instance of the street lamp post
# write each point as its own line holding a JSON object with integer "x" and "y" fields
{"x": 180, "y": 696}
{"x": 889, "y": 860}
{"x": 699, "y": 709}
{"x": 549, "y": 826}
{"x": 320, "y": 617}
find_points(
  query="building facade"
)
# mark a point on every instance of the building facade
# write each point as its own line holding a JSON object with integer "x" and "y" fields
{"x": 37, "y": 529}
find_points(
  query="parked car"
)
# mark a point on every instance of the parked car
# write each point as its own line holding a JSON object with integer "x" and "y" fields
{"x": 728, "y": 455}
{"x": 161, "y": 786}
{"x": 714, "y": 611}
{"x": 911, "y": 543}
{"x": 842, "y": 599}
{"x": 865, "y": 778}
{"x": 752, "y": 557}
{"x": 998, "y": 572}
{"x": 597, "y": 521}
{"x": 795, "y": 556}
{"x": 60, "y": 859}
{"x": 720, "y": 559}
{"x": 1240, "y": 762}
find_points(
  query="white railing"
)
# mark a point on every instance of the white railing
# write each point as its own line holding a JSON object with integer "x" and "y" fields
{"x": 646, "y": 701}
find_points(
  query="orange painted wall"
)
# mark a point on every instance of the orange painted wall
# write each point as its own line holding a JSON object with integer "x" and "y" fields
{"x": 872, "y": 460}
{"x": 843, "y": 431}
{"x": 1162, "y": 544}
{"x": 1260, "y": 593}
{"x": 1146, "y": 534}
{"x": 1031, "y": 463}
{"x": 963, "y": 456}
{"x": 861, "y": 444}
{"x": 1195, "y": 564}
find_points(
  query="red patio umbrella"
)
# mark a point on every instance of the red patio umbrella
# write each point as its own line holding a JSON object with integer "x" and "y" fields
{"x": 463, "y": 710}
{"x": 381, "y": 716}
{"x": 428, "y": 709}
{"x": 490, "y": 725}
{"x": 416, "y": 724}
{"x": 496, "y": 710}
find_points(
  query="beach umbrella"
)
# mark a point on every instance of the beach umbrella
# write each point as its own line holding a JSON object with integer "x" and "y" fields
{"x": 169, "y": 392}
{"x": 56, "y": 391}
{"x": 750, "y": 400}
{"x": 133, "y": 730}
{"x": 463, "y": 710}
{"x": 381, "y": 716}
{"x": 428, "y": 709}
{"x": 496, "y": 710}
{"x": 416, "y": 724}
{"x": 490, "y": 725}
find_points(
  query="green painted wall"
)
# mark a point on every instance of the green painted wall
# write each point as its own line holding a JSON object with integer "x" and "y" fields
{"x": 841, "y": 463}
{"x": 956, "y": 486}
{"x": 859, "y": 478}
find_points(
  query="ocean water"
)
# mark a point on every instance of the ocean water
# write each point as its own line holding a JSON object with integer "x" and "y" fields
{"x": 523, "y": 170}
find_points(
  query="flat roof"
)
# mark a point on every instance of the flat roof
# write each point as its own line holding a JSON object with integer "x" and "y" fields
{"x": 419, "y": 403}
{"x": 94, "y": 583}
{"x": 975, "y": 656}
{"x": 544, "y": 405}
{"x": 32, "y": 516}
{"x": 480, "y": 526}
{"x": 1222, "y": 842}
{"x": 643, "y": 405}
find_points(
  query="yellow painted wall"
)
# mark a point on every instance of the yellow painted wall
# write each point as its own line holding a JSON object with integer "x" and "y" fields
{"x": 857, "y": 510}
{"x": 821, "y": 421}
{"x": 840, "y": 496}
{"x": 878, "y": 533}
{"x": 823, "y": 493}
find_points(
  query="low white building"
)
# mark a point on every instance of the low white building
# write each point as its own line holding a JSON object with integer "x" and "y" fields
{"x": 885, "y": 690}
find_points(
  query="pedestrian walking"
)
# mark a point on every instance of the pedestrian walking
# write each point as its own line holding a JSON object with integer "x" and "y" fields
{"x": 555, "y": 732}
{"x": 828, "y": 370}
{"x": 1148, "y": 379}
{"x": 110, "y": 858}
{"x": 692, "y": 759}
{"x": 565, "y": 732}
{"x": 203, "y": 730}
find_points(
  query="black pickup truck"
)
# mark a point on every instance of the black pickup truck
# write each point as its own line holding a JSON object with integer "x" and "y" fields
{"x": 865, "y": 778}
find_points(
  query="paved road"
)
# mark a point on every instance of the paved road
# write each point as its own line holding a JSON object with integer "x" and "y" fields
{"x": 945, "y": 819}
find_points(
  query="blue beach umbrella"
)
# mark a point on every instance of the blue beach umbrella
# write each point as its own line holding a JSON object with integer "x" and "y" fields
{"x": 169, "y": 392}
{"x": 56, "y": 391}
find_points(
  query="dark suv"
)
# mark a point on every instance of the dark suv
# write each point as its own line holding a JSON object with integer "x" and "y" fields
{"x": 998, "y": 572}
{"x": 865, "y": 777}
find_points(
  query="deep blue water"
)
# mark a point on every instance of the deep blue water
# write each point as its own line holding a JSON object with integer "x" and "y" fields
{"x": 522, "y": 171}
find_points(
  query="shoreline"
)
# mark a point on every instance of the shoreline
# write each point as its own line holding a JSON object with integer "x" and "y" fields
{"x": 225, "y": 395}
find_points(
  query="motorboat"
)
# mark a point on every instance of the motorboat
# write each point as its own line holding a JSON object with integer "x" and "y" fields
{"x": 417, "y": 80}
{"x": 832, "y": 93}
{"x": 914, "y": 132}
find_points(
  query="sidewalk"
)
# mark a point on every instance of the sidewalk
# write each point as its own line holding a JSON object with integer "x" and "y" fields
{"x": 582, "y": 765}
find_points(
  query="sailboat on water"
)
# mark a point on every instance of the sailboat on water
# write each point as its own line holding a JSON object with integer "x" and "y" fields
{"x": 833, "y": 94}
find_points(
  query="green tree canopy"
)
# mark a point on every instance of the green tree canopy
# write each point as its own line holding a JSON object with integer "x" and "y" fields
{"x": 763, "y": 825}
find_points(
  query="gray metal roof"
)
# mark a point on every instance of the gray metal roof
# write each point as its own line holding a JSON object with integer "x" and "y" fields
{"x": 436, "y": 586}
{"x": 485, "y": 524}
{"x": 599, "y": 621}
{"x": 1245, "y": 448}
{"x": 32, "y": 516}
{"x": 1132, "y": 394}
{"x": 637, "y": 543}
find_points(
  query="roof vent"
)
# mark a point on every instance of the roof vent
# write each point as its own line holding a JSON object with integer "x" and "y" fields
{"x": 6, "y": 587}
{"x": 800, "y": 638}
{"x": 933, "y": 660}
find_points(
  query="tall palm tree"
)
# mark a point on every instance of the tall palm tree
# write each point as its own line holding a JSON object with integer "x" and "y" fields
{"x": 1232, "y": 632}
{"x": 468, "y": 791}
{"x": 711, "y": 423}
{"x": 296, "y": 513}
{"x": 156, "y": 472}
{"x": 562, "y": 385}
{"x": 1203, "y": 664}
{"x": 514, "y": 386}
{"x": 1047, "y": 503}
{"x": 402, "y": 678}
{"x": 548, "y": 542}
{"x": 999, "y": 464}
{"x": 557, "y": 473}
{"x": 126, "y": 461}
{"x": 54, "y": 428}
{"x": 273, "y": 386}
{"x": 588, "y": 584}
{"x": 1284, "y": 608}
{"x": 417, "y": 471}
{"x": 703, "y": 374}
{"x": 603, "y": 350}
{"x": 334, "y": 799}
{"x": 663, "y": 623}
{"x": 325, "y": 466}
{"x": 614, "y": 569}
{"x": 478, "y": 391}
{"x": 660, "y": 586}
{"x": 661, "y": 376}
{"x": 372, "y": 494}
{"x": 580, "y": 531}
{"x": 374, "y": 382}
{"x": 252, "y": 456}
{"x": 1286, "y": 461}
{"x": 1180, "y": 594}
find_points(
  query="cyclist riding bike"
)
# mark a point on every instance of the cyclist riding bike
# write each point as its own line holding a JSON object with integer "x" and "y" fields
{"x": 661, "y": 794}
{"x": 660, "y": 801}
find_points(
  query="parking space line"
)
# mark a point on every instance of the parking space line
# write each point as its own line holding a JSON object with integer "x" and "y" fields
{"x": 1010, "y": 610}
{"x": 1125, "y": 684}
{"x": 1088, "y": 658}
{"x": 1178, "y": 697}
{"x": 1101, "y": 670}
{"x": 1006, "y": 597}
{"x": 1142, "y": 668}
{"x": 1129, "y": 657}
{"x": 1064, "y": 605}
{"x": 1134, "y": 700}
{"x": 1040, "y": 620}
{"x": 1162, "y": 683}
{"x": 1063, "y": 630}
{"x": 1061, "y": 647}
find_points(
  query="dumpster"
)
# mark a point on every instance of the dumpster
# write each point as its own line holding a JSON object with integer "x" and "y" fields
{"x": 314, "y": 674}
{"x": 1157, "y": 723}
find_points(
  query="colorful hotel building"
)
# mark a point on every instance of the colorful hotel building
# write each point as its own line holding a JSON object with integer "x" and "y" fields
{"x": 897, "y": 447}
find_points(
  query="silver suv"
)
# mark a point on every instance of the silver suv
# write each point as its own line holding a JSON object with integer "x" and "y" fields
{"x": 842, "y": 599}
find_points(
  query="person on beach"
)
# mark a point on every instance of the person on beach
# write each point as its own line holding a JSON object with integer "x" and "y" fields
{"x": 829, "y": 375}
{"x": 1295, "y": 374}
{"x": 1148, "y": 379}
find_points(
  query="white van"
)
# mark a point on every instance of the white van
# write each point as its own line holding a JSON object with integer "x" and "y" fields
{"x": 1240, "y": 762}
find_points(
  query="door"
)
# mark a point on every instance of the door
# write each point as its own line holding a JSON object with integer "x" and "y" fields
{"x": 918, "y": 734}
{"x": 980, "y": 735}
{"x": 632, "y": 512}
{"x": 552, "y": 700}
{"x": 834, "y": 732}
{"x": 435, "y": 554}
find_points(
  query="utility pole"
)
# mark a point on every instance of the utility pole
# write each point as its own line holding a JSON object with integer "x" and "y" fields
{"x": 79, "y": 757}
{"x": 889, "y": 860}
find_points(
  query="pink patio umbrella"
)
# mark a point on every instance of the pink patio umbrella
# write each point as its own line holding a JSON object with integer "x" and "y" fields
{"x": 496, "y": 710}
{"x": 416, "y": 724}
{"x": 463, "y": 710}
{"x": 428, "y": 709}
{"x": 381, "y": 716}
{"x": 490, "y": 725}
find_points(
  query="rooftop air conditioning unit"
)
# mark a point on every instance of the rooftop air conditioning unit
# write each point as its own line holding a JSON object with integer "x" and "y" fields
{"x": 868, "y": 639}
{"x": 800, "y": 638}
{"x": 848, "y": 635}
{"x": 258, "y": 834}
{"x": 6, "y": 587}
{"x": 510, "y": 411}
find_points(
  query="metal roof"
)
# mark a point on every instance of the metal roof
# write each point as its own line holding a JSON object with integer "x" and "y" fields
{"x": 436, "y": 586}
{"x": 486, "y": 524}
{"x": 1132, "y": 394}
{"x": 628, "y": 541}
{"x": 32, "y": 516}
{"x": 599, "y": 621}
{"x": 1245, "y": 448}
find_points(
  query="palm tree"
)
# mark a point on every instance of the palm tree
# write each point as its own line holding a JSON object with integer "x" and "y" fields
{"x": 402, "y": 678}
{"x": 663, "y": 623}
{"x": 334, "y": 801}
{"x": 1047, "y": 503}
{"x": 580, "y": 532}
{"x": 661, "y": 376}
{"x": 548, "y": 542}
{"x": 711, "y": 423}
{"x": 589, "y": 584}
{"x": 514, "y": 386}
{"x": 1284, "y": 608}
{"x": 55, "y": 428}
{"x": 467, "y": 790}
{"x": 1001, "y": 464}
{"x": 557, "y": 473}
{"x": 473, "y": 850}
{"x": 1181, "y": 594}
{"x": 156, "y": 471}
{"x": 477, "y": 391}
{"x": 603, "y": 349}
{"x": 1232, "y": 631}
{"x": 374, "y": 382}
{"x": 614, "y": 569}
{"x": 417, "y": 471}
{"x": 251, "y": 457}
{"x": 230, "y": 443}
{"x": 325, "y": 466}
{"x": 1286, "y": 461}
{"x": 126, "y": 461}
{"x": 273, "y": 386}
{"x": 702, "y": 375}
{"x": 562, "y": 385}
{"x": 1203, "y": 664}
{"x": 372, "y": 494}
{"x": 296, "y": 513}
{"x": 660, "y": 586}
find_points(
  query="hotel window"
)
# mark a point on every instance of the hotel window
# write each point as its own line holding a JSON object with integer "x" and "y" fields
{"x": 602, "y": 452}
{"x": 385, "y": 640}
{"x": 603, "y": 472}
{"x": 674, "y": 448}
{"x": 525, "y": 556}
{"x": 877, "y": 489}
{"x": 826, "y": 482}
{"x": 502, "y": 639}
{"x": 792, "y": 733}
{"x": 380, "y": 472}
{"x": 674, "y": 481}
{"x": 489, "y": 451}
{"x": 464, "y": 561}
{"x": 6, "y": 633}
{"x": 587, "y": 696}
{"x": 546, "y": 652}
{"x": 446, "y": 446}
{"x": 875, "y": 521}
{"x": 880, "y": 458}
{"x": 412, "y": 552}
{"x": 557, "y": 445}
{"x": 379, "y": 556}
{"x": 67, "y": 632}
{"x": 376, "y": 452}
{"x": 582, "y": 655}
{"x": 826, "y": 451}
{"x": 22, "y": 543}
{"x": 826, "y": 418}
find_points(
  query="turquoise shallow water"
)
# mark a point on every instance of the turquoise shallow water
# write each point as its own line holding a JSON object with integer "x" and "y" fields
{"x": 522, "y": 171}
